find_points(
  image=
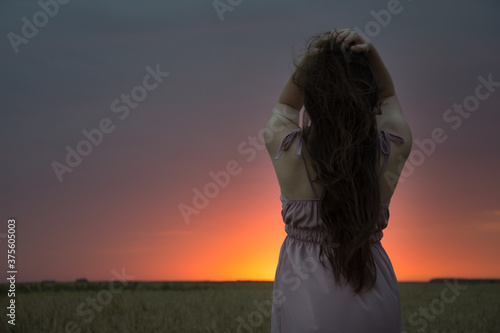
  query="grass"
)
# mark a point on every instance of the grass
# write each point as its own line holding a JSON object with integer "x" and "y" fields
{"x": 220, "y": 307}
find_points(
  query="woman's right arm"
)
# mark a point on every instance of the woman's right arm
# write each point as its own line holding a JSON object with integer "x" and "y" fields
{"x": 381, "y": 73}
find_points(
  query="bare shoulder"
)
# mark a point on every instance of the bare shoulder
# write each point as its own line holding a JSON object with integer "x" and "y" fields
{"x": 284, "y": 119}
{"x": 393, "y": 121}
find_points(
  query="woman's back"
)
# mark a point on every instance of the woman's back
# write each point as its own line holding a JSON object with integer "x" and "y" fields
{"x": 306, "y": 297}
{"x": 289, "y": 169}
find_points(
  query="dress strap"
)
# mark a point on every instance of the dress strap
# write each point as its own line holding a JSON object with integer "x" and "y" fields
{"x": 285, "y": 144}
{"x": 385, "y": 138}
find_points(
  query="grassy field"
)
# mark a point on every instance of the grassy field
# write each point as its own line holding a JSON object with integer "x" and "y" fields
{"x": 224, "y": 307}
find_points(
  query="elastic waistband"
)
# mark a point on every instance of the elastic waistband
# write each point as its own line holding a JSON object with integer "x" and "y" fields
{"x": 319, "y": 235}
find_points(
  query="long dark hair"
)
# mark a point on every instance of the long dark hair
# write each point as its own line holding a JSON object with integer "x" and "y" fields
{"x": 341, "y": 98}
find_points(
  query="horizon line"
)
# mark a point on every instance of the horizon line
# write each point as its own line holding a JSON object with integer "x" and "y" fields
{"x": 84, "y": 280}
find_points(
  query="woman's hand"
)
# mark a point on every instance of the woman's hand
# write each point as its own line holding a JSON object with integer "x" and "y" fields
{"x": 352, "y": 39}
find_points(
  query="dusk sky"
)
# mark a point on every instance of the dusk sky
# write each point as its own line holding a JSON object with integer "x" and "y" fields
{"x": 156, "y": 97}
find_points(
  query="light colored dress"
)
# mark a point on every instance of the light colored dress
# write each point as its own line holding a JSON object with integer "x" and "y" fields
{"x": 305, "y": 296}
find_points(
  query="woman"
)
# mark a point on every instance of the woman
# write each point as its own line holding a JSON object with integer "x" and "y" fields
{"x": 337, "y": 175}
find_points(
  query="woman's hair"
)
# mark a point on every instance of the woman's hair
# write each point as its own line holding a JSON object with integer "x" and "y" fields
{"x": 341, "y": 98}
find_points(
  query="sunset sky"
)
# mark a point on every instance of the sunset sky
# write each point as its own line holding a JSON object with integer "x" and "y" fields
{"x": 120, "y": 206}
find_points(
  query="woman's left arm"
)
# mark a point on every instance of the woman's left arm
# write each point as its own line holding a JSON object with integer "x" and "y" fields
{"x": 286, "y": 113}
{"x": 291, "y": 94}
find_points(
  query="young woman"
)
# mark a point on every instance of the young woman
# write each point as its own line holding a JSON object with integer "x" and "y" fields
{"x": 337, "y": 174}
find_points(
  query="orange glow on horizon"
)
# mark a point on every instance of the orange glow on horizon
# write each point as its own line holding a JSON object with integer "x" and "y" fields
{"x": 243, "y": 243}
{"x": 240, "y": 233}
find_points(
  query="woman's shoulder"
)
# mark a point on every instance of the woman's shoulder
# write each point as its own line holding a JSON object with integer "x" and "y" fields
{"x": 392, "y": 121}
{"x": 286, "y": 114}
{"x": 284, "y": 120}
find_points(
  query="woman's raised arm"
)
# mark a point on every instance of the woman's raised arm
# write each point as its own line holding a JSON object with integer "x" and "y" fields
{"x": 358, "y": 44}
